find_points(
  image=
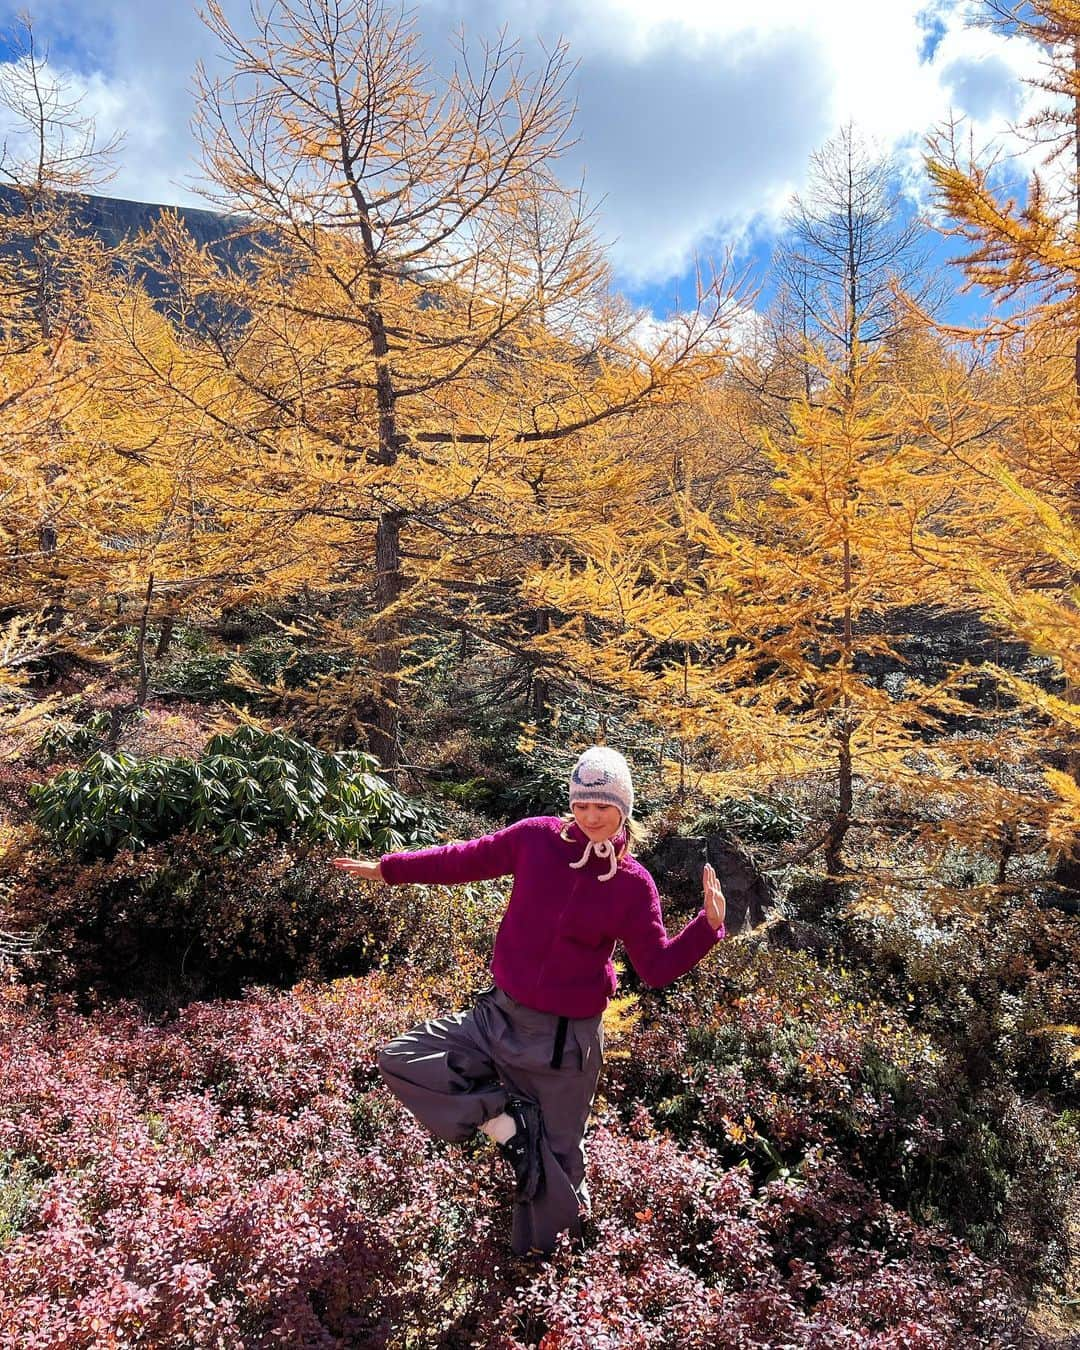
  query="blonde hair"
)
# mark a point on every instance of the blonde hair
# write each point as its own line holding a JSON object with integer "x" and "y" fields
{"x": 636, "y": 833}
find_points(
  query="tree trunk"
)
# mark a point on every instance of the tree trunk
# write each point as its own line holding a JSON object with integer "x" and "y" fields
{"x": 540, "y": 688}
{"x": 140, "y": 649}
{"x": 164, "y": 637}
{"x": 387, "y": 661}
{"x": 834, "y": 843}
{"x": 1067, "y": 869}
{"x": 388, "y": 573}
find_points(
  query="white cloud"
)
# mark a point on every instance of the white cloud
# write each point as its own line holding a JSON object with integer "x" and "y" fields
{"x": 743, "y": 94}
{"x": 742, "y": 331}
{"x": 696, "y": 117}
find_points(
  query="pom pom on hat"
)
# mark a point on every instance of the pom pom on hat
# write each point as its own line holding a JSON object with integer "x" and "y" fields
{"x": 603, "y": 775}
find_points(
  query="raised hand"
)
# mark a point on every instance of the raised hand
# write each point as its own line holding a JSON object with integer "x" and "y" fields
{"x": 367, "y": 868}
{"x": 715, "y": 904}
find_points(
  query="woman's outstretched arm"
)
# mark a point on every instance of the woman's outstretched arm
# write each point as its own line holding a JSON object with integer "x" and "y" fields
{"x": 492, "y": 855}
{"x": 659, "y": 958}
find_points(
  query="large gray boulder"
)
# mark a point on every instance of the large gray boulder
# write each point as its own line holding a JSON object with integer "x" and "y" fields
{"x": 676, "y": 864}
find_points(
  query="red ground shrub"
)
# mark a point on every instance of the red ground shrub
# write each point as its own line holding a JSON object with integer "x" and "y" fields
{"x": 236, "y": 1178}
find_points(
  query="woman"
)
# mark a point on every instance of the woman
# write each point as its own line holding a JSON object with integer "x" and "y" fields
{"x": 523, "y": 1063}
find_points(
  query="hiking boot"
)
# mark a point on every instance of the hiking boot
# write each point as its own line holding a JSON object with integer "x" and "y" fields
{"x": 522, "y": 1149}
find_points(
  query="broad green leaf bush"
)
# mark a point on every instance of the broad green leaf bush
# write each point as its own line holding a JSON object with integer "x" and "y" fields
{"x": 70, "y": 737}
{"x": 245, "y": 784}
{"x": 199, "y": 670}
{"x": 755, "y": 819}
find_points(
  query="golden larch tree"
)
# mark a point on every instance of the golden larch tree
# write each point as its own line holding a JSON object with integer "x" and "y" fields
{"x": 418, "y": 341}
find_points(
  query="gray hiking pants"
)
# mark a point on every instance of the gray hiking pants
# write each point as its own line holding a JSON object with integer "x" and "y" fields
{"x": 454, "y": 1073}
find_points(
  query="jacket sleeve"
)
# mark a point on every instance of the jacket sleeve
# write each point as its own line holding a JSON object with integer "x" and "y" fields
{"x": 657, "y": 958}
{"x": 492, "y": 855}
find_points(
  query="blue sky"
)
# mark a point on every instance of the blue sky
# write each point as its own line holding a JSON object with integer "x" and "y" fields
{"x": 754, "y": 255}
{"x": 696, "y": 118}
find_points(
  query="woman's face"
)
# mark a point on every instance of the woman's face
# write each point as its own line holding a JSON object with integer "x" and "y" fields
{"x": 599, "y": 820}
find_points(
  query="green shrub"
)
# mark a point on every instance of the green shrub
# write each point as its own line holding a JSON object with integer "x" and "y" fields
{"x": 540, "y": 790}
{"x": 436, "y": 929}
{"x": 66, "y": 738}
{"x": 754, "y": 819}
{"x": 245, "y": 784}
{"x": 198, "y": 668}
{"x": 275, "y": 657}
{"x": 768, "y": 1056}
{"x": 985, "y": 985}
{"x": 507, "y": 771}
{"x": 201, "y": 676}
{"x": 182, "y": 920}
{"x": 474, "y": 794}
{"x": 19, "y": 1185}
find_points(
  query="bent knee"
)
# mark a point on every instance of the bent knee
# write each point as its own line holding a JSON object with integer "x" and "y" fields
{"x": 386, "y": 1057}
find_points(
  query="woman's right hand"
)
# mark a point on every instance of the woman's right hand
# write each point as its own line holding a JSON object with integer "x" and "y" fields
{"x": 368, "y": 868}
{"x": 715, "y": 904}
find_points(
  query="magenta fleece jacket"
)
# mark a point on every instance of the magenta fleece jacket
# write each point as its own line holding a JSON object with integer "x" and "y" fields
{"x": 554, "y": 946}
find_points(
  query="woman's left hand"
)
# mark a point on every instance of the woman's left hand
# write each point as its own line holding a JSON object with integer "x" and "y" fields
{"x": 715, "y": 904}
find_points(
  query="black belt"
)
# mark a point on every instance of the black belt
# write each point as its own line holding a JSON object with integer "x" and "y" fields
{"x": 560, "y": 1042}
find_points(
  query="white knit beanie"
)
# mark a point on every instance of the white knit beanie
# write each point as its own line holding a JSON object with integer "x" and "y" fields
{"x": 602, "y": 775}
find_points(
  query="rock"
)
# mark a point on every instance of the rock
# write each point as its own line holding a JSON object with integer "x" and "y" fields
{"x": 676, "y": 864}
